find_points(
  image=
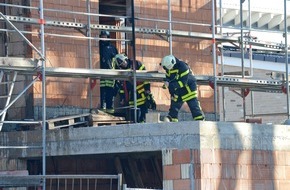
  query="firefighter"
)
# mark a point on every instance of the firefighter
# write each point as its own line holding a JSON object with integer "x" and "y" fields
{"x": 182, "y": 87}
{"x": 127, "y": 89}
{"x": 107, "y": 53}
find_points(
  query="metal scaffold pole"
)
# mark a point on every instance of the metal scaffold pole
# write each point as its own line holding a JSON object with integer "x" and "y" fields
{"x": 89, "y": 35}
{"x": 134, "y": 59}
{"x": 170, "y": 27}
{"x": 43, "y": 95}
{"x": 286, "y": 54}
{"x": 222, "y": 62}
{"x": 214, "y": 59}
{"x": 242, "y": 55}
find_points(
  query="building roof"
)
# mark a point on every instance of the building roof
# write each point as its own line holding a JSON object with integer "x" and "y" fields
{"x": 268, "y": 15}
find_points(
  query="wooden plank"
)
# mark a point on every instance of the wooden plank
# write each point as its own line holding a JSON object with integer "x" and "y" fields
{"x": 74, "y": 120}
{"x": 99, "y": 118}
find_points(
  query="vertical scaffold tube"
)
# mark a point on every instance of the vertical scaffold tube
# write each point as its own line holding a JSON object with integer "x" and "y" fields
{"x": 43, "y": 95}
{"x": 286, "y": 54}
{"x": 134, "y": 59}
{"x": 214, "y": 58}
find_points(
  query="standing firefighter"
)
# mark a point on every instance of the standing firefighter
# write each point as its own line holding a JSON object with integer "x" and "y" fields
{"x": 107, "y": 53}
{"x": 142, "y": 89}
{"x": 182, "y": 87}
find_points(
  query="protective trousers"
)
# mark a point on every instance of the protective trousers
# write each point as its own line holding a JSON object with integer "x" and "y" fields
{"x": 141, "y": 113}
{"x": 193, "y": 105}
{"x": 107, "y": 95}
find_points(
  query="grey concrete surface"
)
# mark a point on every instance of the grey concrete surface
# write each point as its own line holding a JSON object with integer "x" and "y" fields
{"x": 148, "y": 137}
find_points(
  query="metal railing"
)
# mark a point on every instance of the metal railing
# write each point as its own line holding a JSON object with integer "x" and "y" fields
{"x": 127, "y": 188}
{"x": 64, "y": 182}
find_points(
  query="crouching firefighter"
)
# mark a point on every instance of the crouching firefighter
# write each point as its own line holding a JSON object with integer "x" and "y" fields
{"x": 182, "y": 87}
{"x": 143, "y": 92}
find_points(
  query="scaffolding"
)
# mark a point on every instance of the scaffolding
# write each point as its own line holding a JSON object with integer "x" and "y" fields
{"x": 36, "y": 67}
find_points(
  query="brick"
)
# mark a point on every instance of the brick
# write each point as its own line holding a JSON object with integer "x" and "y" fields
{"x": 243, "y": 171}
{"x": 279, "y": 158}
{"x": 229, "y": 156}
{"x": 171, "y": 172}
{"x": 287, "y": 155}
{"x": 209, "y": 171}
{"x": 181, "y": 156}
{"x": 166, "y": 157}
{"x": 240, "y": 184}
{"x": 283, "y": 185}
{"x": 168, "y": 184}
{"x": 197, "y": 184}
{"x": 197, "y": 171}
{"x": 261, "y": 185}
{"x": 279, "y": 172}
{"x": 207, "y": 184}
{"x": 186, "y": 170}
{"x": 196, "y": 156}
{"x": 206, "y": 155}
{"x": 181, "y": 184}
{"x": 228, "y": 171}
{"x": 258, "y": 157}
{"x": 245, "y": 157}
{"x": 261, "y": 171}
{"x": 223, "y": 184}
{"x": 287, "y": 172}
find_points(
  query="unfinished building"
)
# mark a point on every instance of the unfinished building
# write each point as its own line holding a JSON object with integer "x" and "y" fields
{"x": 50, "y": 53}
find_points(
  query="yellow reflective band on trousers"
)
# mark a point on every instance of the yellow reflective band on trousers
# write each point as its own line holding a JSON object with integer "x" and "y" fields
{"x": 140, "y": 101}
{"x": 198, "y": 118}
{"x": 108, "y": 83}
{"x": 174, "y": 119}
{"x": 190, "y": 95}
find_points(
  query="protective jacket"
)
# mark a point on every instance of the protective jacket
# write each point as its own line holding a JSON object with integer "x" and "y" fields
{"x": 107, "y": 53}
{"x": 182, "y": 83}
{"x": 127, "y": 91}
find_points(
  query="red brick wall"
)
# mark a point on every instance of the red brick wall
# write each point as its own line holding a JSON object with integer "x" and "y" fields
{"x": 197, "y": 53}
{"x": 73, "y": 52}
{"x": 227, "y": 169}
{"x": 66, "y": 52}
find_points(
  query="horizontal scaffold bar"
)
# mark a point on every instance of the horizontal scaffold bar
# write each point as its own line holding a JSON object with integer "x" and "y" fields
{"x": 29, "y": 66}
{"x": 165, "y": 32}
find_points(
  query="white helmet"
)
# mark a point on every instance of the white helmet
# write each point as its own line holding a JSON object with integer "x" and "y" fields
{"x": 121, "y": 60}
{"x": 168, "y": 62}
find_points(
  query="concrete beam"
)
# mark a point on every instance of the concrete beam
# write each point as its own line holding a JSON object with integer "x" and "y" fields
{"x": 151, "y": 137}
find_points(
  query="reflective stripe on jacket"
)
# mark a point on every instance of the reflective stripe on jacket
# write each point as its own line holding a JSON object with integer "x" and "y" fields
{"x": 107, "y": 83}
{"x": 141, "y": 87}
{"x": 182, "y": 83}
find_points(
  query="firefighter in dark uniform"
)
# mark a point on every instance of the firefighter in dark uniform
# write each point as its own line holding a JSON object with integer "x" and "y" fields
{"x": 127, "y": 89}
{"x": 182, "y": 87}
{"x": 107, "y": 53}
